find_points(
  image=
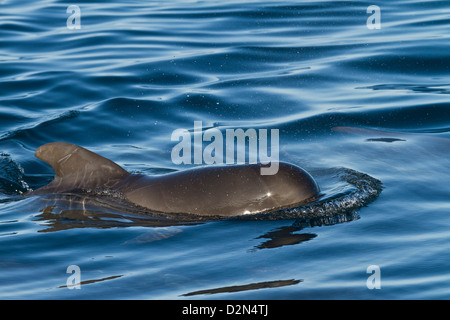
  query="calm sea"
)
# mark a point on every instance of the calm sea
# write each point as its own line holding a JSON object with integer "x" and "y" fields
{"x": 358, "y": 91}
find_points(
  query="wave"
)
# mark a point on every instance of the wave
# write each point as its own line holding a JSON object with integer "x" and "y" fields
{"x": 11, "y": 177}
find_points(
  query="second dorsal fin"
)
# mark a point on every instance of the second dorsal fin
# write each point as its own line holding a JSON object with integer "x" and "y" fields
{"x": 77, "y": 168}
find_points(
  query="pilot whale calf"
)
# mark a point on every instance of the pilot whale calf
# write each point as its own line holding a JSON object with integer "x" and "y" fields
{"x": 227, "y": 190}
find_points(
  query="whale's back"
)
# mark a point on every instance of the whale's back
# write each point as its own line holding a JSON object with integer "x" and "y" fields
{"x": 224, "y": 190}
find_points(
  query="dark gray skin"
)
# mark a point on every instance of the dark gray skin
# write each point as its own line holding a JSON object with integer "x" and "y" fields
{"x": 226, "y": 191}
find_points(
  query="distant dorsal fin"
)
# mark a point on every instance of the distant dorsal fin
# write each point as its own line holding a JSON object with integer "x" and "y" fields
{"x": 77, "y": 168}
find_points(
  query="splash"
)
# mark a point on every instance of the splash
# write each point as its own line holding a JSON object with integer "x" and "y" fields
{"x": 11, "y": 177}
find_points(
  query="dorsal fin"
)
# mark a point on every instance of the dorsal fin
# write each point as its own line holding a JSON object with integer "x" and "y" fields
{"x": 77, "y": 168}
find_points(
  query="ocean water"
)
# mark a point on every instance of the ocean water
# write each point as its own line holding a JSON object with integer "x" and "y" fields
{"x": 365, "y": 110}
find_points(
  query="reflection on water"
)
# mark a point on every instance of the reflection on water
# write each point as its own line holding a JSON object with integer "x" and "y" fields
{"x": 384, "y": 139}
{"x": 284, "y": 236}
{"x": 69, "y": 211}
{"x": 84, "y": 282}
{"x": 245, "y": 287}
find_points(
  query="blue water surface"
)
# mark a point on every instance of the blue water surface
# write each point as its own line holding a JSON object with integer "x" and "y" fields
{"x": 342, "y": 93}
